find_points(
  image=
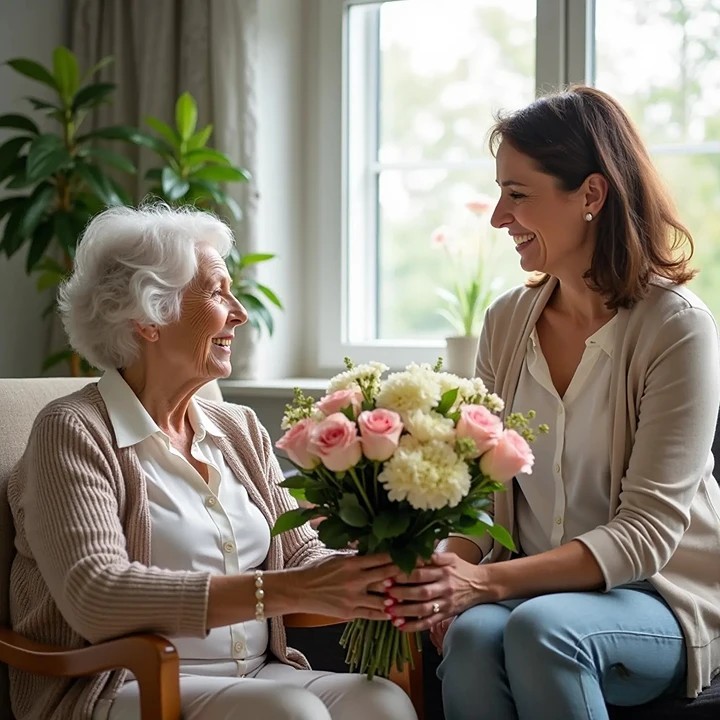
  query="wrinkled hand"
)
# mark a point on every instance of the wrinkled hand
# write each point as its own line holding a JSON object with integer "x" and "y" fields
{"x": 437, "y": 591}
{"x": 345, "y": 586}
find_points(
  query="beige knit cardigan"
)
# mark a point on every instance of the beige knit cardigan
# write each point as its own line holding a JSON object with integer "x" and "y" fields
{"x": 82, "y": 571}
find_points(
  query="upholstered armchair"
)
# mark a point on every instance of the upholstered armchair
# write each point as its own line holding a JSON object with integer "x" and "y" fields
{"x": 151, "y": 658}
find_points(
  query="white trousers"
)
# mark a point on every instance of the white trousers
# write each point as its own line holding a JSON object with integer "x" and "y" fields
{"x": 275, "y": 692}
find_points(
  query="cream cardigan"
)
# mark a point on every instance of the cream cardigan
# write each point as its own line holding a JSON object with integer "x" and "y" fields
{"x": 82, "y": 571}
{"x": 664, "y": 520}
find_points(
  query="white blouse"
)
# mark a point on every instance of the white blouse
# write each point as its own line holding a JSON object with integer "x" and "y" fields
{"x": 568, "y": 491}
{"x": 210, "y": 527}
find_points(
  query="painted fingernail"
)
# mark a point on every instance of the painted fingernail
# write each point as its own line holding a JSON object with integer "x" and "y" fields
{"x": 399, "y": 622}
{"x": 388, "y": 583}
{"x": 389, "y": 602}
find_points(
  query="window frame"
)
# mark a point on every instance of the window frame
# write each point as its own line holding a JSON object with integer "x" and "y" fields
{"x": 563, "y": 54}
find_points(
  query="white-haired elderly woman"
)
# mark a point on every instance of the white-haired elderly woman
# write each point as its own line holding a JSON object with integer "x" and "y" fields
{"x": 139, "y": 507}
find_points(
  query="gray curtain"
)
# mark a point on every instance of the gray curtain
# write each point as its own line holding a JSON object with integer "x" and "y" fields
{"x": 162, "y": 48}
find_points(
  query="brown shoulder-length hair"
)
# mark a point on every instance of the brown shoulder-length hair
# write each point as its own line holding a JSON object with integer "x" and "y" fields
{"x": 580, "y": 131}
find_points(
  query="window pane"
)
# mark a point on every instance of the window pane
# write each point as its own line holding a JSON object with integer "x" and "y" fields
{"x": 424, "y": 80}
{"x": 673, "y": 94}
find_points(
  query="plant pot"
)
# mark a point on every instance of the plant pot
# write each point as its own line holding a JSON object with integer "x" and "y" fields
{"x": 461, "y": 354}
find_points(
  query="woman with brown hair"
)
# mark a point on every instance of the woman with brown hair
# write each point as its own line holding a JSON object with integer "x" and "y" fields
{"x": 613, "y": 594}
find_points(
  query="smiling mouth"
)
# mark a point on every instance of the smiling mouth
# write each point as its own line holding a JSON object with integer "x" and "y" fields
{"x": 521, "y": 240}
{"x": 222, "y": 342}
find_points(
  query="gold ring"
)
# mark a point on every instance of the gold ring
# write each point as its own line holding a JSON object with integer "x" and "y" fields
{"x": 435, "y": 608}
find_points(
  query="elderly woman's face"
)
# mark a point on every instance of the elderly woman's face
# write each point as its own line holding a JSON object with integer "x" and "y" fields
{"x": 199, "y": 342}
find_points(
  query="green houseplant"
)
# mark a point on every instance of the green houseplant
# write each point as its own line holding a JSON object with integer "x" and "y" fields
{"x": 191, "y": 172}
{"x": 56, "y": 178}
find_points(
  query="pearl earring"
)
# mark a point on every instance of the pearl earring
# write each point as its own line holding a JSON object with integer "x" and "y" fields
{"x": 588, "y": 217}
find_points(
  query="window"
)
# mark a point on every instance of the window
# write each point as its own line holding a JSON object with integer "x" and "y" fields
{"x": 403, "y": 147}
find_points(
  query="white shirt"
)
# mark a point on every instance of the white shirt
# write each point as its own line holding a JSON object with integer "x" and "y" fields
{"x": 211, "y": 527}
{"x": 568, "y": 492}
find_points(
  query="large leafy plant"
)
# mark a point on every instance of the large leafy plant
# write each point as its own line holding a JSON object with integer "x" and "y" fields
{"x": 57, "y": 175}
{"x": 191, "y": 172}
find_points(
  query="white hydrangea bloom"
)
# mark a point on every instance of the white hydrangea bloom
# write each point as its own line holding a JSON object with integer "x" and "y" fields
{"x": 429, "y": 475}
{"x": 429, "y": 426}
{"x": 478, "y": 386}
{"x": 348, "y": 380}
{"x": 416, "y": 388}
{"x": 493, "y": 402}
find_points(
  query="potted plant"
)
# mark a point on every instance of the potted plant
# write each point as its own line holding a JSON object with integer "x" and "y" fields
{"x": 59, "y": 177}
{"x": 471, "y": 289}
{"x": 194, "y": 173}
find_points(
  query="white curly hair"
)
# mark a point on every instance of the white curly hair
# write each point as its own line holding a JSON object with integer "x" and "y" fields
{"x": 133, "y": 265}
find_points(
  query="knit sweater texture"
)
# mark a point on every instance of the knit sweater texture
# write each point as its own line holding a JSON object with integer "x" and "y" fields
{"x": 82, "y": 571}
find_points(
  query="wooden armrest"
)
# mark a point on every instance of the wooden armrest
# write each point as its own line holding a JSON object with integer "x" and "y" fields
{"x": 151, "y": 658}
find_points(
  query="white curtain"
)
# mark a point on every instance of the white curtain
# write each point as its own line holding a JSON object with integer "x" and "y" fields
{"x": 163, "y": 48}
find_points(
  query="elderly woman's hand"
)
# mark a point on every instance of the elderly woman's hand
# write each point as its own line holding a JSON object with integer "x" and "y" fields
{"x": 346, "y": 586}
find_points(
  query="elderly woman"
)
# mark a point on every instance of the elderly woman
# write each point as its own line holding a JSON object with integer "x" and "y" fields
{"x": 139, "y": 507}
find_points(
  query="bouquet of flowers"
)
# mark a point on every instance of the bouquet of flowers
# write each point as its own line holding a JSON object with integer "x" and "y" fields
{"x": 395, "y": 464}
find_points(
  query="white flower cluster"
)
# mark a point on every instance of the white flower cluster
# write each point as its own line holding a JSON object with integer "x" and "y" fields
{"x": 418, "y": 387}
{"x": 369, "y": 373}
{"x": 429, "y": 475}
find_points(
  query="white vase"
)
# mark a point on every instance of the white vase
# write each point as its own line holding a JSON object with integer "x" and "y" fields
{"x": 460, "y": 355}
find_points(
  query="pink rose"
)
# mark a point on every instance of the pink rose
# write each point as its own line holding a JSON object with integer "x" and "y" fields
{"x": 380, "y": 430}
{"x": 295, "y": 443}
{"x": 512, "y": 455}
{"x": 335, "y": 441}
{"x": 479, "y": 424}
{"x": 339, "y": 400}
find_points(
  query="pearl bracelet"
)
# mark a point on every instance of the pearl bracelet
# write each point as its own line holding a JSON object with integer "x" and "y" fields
{"x": 259, "y": 596}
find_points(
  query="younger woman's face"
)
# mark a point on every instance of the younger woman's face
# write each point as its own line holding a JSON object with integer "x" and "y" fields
{"x": 546, "y": 223}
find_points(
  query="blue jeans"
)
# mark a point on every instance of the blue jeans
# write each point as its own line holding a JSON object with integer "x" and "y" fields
{"x": 562, "y": 656}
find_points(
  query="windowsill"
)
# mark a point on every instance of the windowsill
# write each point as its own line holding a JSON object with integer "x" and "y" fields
{"x": 281, "y": 388}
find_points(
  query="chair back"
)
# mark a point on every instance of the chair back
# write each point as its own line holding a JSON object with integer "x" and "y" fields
{"x": 20, "y": 402}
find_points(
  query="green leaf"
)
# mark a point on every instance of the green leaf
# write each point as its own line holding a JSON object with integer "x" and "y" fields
{"x": 48, "y": 279}
{"x": 56, "y": 359}
{"x": 253, "y": 259}
{"x": 334, "y": 533}
{"x": 120, "y": 191}
{"x": 270, "y": 295}
{"x": 41, "y": 239}
{"x": 351, "y": 512}
{"x": 446, "y": 401}
{"x": 10, "y": 150}
{"x": 8, "y": 204}
{"x": 67, "y": 75}
{"x": 297, "y": 481}
{"x": 33, "y": 70}
{"x": 36, "y": 206}
{"x": 128, "y": 134}
{"x": 174, "y": 187}
{"x": 186, "y": 115}
{"x": 65, "y": 231}
{"x": 289, "y": 520}
{"x": 259, "y": 315}
{"x": 298, "y": 494}
{"x": 12, "y": 238}
{"x": 19, "y": 122}
{"x": 98, "y": 184}
{"x": 161, "y": 128}
{"x": 15, "y": 170}
{"x": 502, "y": 536}
{"x": 46, "y": 156}
{"x": 108, "y": 157}
{"x": 221, "y": 173}
{"x": 49, "y": 109}
{"x": 404, "y": 558}
{"x": 104, "y": 62}
{"x": 390, "y": 524}
{"x": 205, "y": 155}
{"x": 200, "y": 138}
{"x": 92, "y": 95}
